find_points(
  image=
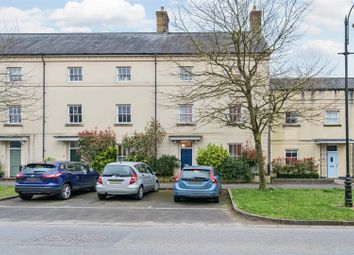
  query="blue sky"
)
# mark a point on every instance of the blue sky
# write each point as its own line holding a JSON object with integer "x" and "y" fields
{"x": 323, "y": 27}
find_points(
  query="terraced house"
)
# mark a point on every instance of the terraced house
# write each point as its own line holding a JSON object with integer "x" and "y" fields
{"x": 322, "y": 138}
{"x": 105, "y": 80}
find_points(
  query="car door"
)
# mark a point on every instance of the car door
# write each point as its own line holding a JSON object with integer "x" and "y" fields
{"x": 76, "y": 175}
{"x": 88, "y": 177}
{"x": 152, "y": 177}
{"x": 144, "y": 175}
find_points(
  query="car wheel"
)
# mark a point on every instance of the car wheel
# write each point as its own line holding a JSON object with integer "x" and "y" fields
{"x": 65, "y": 192}
{"x": 101, "y": 196}
{"x": 156, "y": 186}
{"x": 25, "y": 196}
{"x": 140, "y": 194}
{"x": 216, "y": 200}
{"x": 177, "y": 199}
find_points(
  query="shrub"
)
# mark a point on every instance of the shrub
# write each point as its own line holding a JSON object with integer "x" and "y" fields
{"x": 302, "y": 168}
{"x": 141, "y": 146}
{"x": 235, "y": 170}
{"x": 93, "y": 142}
{"x": 166, "y": 164}
{"x": 212, "y": 155}
{"x": 104, "y": 158}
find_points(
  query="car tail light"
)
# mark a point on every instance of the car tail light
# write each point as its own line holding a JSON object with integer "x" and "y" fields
{"x": 212, "y": 177}
{"x": 133, "y": 178}
{"x": 51, "y": 176}
{"x": 178, "y": 177}
{"x": 20, "y": 176}
{"x": 99, "y": 180}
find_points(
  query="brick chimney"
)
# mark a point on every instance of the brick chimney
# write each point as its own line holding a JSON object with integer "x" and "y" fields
{"x": 162, "y": 21}
{"x": 256, "y": 20}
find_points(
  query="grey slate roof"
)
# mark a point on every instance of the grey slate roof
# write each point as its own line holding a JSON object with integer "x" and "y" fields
{"x": 102, "y": 43}
{"x": 320, "y": 83}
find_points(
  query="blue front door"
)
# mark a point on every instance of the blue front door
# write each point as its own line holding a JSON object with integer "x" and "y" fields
{"x": 186, "y": 157}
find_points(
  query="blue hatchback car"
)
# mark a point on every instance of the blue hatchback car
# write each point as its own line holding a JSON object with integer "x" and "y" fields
{"x": 197, "y": 182}
{"x": 57, "y": 178}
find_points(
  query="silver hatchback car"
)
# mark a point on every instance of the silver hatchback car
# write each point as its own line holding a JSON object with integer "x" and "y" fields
{"x": 126, "y": 178}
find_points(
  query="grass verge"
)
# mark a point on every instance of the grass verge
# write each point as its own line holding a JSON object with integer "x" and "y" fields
{"x": 6, "y": 191}
{"x": 296, "y": 204}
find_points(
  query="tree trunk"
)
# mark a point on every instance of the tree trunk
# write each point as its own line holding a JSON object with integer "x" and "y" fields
{"x": 260, "y": 160}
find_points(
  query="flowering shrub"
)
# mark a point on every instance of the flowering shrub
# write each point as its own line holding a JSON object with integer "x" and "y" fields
{"x": 93, "y": 143}
{"x": 249, "y": 155}
{"x": 291, "y": 168}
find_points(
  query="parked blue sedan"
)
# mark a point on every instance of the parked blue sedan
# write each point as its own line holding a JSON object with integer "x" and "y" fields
{"x": 197, "y": 182}
{"x": 57, "y": 178}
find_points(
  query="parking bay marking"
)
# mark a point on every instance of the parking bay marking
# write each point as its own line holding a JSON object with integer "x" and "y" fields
{"x": 115, "y": 208}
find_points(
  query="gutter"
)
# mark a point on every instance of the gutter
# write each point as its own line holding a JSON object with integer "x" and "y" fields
{"x": 155, "y": 104}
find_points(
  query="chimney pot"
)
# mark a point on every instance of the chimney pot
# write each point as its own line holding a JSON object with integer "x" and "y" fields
{"x": 162, "y": 21}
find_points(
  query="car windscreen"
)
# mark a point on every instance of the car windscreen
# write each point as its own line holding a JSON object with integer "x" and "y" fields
{"x": 195, "y": 174}
{"x": 117, "y": 170}
{"x": 37, "y": 168}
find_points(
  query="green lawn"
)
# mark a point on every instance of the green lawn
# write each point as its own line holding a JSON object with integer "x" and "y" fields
{"x": 300, "y": 204}
{"x": 6, "y": 191}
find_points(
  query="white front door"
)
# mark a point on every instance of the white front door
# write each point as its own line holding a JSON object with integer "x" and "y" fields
{"x": 332, "y": 164}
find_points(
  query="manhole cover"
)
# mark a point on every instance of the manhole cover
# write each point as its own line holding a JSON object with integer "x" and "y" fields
{"x": 72, "y": 237}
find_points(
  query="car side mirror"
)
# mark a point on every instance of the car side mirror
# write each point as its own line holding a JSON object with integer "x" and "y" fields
{"x": 154, "y": 173}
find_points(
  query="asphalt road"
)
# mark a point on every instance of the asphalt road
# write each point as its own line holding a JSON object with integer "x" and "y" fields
{"x": 76, "y": 239}
{"x": 156, "y": 225}
{"x": 84, "y": 207}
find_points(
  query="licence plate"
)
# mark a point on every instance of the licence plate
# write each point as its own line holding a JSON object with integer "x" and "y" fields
{"x": 32, "y": 179}
{"x": 115, "y": 181}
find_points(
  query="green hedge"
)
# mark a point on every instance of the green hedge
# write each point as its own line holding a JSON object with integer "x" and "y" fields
{"x": 302, "y": 168}
{"x": 235, "y": 170}
{"x": 165, "y": 165}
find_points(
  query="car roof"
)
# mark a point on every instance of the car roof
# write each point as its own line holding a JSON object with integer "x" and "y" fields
{"x": 129, "y": 163}
{"x": 51, "y": 162}
{"x": 198, "y": 167}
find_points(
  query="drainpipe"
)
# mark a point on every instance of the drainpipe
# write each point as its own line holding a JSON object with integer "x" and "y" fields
{"x": 155, "y": 105}
{"x": 269, "y": 150}
{"x": 43, "y": 106}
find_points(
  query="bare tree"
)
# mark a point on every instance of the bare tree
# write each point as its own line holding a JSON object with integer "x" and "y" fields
{"x": 19, "y": 95}
{"x": 238, "y": 48}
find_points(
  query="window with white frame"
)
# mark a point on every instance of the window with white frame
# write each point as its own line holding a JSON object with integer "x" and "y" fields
{"x": 291, "y": 154}
{"x": 124, "y": 73}
{"x": 14, "y": 114}
{"x": 185, "y": 73}
{"x": 235, "y": 150}
{"x": 235, "y": 113}
{"x": 75, "y": 114}
{"x": 75, "y": 73}
{"x": 14, "y": 73}
{"x": 290, "y": 118}
{"x": 122, "y": 152}
{"x": 332, "y": 117}
{"x": 124, "y": 114}
{"x": 186, "y": 114}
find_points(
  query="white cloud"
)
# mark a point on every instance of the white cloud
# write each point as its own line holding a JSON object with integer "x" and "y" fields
{"x": 327, "y": 48}
{"x": 103, "y": 13}
{"x": 326, "y": 15}
{"x": 78, "y": 16}
{"x": 16, "y": 20}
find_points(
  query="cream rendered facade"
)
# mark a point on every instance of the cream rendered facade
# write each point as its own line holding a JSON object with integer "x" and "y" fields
{"x": 320, "y": 139}
{"x": 99, "y": 93}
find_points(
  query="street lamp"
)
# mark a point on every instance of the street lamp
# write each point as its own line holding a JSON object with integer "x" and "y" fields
{"x": 348, "y": 181}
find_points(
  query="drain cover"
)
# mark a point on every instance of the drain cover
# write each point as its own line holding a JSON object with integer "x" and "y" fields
{"x": 73, "y": 237}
